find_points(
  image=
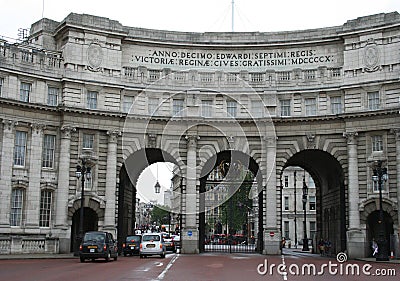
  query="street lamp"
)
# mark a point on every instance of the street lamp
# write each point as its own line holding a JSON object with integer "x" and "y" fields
{"x": 380, "y": 175}
{"x": 305, "y": 193}
{"x": 157, "y": 187}
{"x": 83, "y": 172}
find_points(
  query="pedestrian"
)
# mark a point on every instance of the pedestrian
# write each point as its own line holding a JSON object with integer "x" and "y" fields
{"x": 283, "y": 243}
{"x": 375, "y": 247}
{"x": 321, "y": 247}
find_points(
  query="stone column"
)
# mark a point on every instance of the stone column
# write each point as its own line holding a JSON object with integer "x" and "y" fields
{"x": 33, "y": 192}
{"x": 111, "y": 181}
{"x": 6, "y": 171}
{"x": 271, "y": 233}
{"x": 63, "y": 188}
{"x": 190, "y": 235}
{"x": 355, "y": 236}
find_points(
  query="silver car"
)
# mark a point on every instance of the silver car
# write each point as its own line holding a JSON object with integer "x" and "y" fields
{"x": 152, "y": 244}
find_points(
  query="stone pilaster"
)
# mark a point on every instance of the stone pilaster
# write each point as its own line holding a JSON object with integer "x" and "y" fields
{"x": 396, "y": 133}
{"x": 111, "y": 181}
{"x": 33, "y": 192}
{"x": 63, "y": 177}
{"x": 355, "y": 236}
{"x": 6, "y": 171}
{"x": 190, "y": 233}
{"x": 271, "y": 242}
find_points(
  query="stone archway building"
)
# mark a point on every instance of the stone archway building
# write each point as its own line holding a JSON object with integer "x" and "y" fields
{"x": 282, "y": 98}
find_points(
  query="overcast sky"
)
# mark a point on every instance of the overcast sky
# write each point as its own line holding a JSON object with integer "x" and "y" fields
{"x": 196, "y": 16}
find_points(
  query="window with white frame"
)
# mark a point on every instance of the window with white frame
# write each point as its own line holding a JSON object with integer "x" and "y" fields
{"x": 49, "y": 143}
{"x": 309, "y": 74}
{"x": 179, "y": 76}
{"x": 52, "y": 96}
{"x": 257, "y": 77}
{"x": 152, "y": 105}
{"x": 284, "y": 76}
{"x": 206, "y": 77}
{"x": 285, "y": 107}
{"x": 286, "y": 230}
{"x": 45, "y": 208}
{"x": 177, "y": 107}
{"x": 91, "y": 102}
{"x": 88, "y": 141}
{"x": 231, "y": 108}
{"x": 311, "y": 183}
{"x": 286, "y": 181}
{"x": 206, "y": 108}
{"x": 312, "y": 202}
{"x": 257, "y": 108}
{"x": 232, "y": 77}
{"x": 311, "y": 106}
{"x": 154, "y": 75}
{"x": 286, "y": 201}
{"x": 20, "y": 148}
{"x": 373, "y": 100}
{"x": 377, "y": 143}
{"x": 25, "y": 91}
{"x": 17, "y": 204}
{"x": 127, "y": 103}
{"x": 336, "y": 105}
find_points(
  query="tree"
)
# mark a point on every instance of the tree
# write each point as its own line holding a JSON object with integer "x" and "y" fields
{"x": 160, "y": 214}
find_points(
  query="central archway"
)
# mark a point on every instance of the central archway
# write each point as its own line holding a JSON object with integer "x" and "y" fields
{"x": 328, "y": 177}
{"x": 127, "y": 192}
{"x": 238, "y": 180}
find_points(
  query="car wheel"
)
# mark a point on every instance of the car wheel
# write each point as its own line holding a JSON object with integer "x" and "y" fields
{"x": 116, "y": 258}
{"x": 108, "y": 257}
{"x": 125, "y": 254}
{"x": 141, "y": 256}
{"x": 163, "y": 255}
{"x": 82, "y": 259}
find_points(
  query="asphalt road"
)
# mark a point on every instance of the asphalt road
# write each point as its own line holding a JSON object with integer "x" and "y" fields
{"x": 196, "y": 267}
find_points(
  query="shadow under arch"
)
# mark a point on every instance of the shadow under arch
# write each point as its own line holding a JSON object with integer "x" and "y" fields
{"x": 248, "y": 163}
{"x": 128, "y": 177}
{"x": 328, "y": 176}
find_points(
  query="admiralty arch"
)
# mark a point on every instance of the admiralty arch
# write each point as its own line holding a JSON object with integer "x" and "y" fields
{"x": 88, "y": 88}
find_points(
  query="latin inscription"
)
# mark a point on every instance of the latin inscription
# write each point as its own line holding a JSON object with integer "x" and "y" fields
{"x": 233, "y": 59}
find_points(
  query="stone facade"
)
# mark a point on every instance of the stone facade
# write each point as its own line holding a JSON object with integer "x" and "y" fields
{"x": 326, "y": 100}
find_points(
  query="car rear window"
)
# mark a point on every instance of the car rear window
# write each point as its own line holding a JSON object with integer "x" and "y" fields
{"x": 134, "y": 238}
{"x": 151, "y": 238}
{"x": 97, "y": 237}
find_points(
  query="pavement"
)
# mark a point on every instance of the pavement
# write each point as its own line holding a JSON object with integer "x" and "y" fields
{"x": 292, "y": 251}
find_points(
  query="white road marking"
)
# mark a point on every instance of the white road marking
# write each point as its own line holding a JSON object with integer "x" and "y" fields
{"x": 169, "y": 265}
{"x": 284, "y": 273}
{"x": 159, "y": 264}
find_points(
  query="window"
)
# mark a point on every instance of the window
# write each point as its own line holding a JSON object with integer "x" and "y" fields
{"x": 257, "y": 77}
{"x": 312, "y": 203}
{"x": 88, "y": 140}
{"x": 17, "y": 203}
{"x": 206, "y": 107}
{"x": 20, "y": 148}
{"x": 286, "y": 181}
{"x": 179, "y": 76}
{"x": 377, "y": 143}
{"x": 232, "y": 77}
{"x": 286, "y": 229}
{"x": 152, "y": 105}
{"x": 127, "y": 103}
{"x": 45, "y": 208}
{"x": 177, "y": 107}
{"x": 335, "y": 72}
{"x": 313, "y": 229}
{"x": 311, "y": 106}
{"x": 309, "y": 74}
{"x": 154, "y": 75}
{"x": 231, "y": 107}
{"x": 373, "y": 100}
{"x": 49, "y": 144}
{"x": 91, "y": 100}
{"x": 206, "y": 77}
{"x": 336, "y": 105}
{"x": 52, "y": 96}
{"x": 286, "y": 203}
{"x": 285, "y": 107}
{"x": 311, "y": 183}
{"x": 257, "y": 108}
{"x": 25, "y": 91}
{"x": 284, "y": 76}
